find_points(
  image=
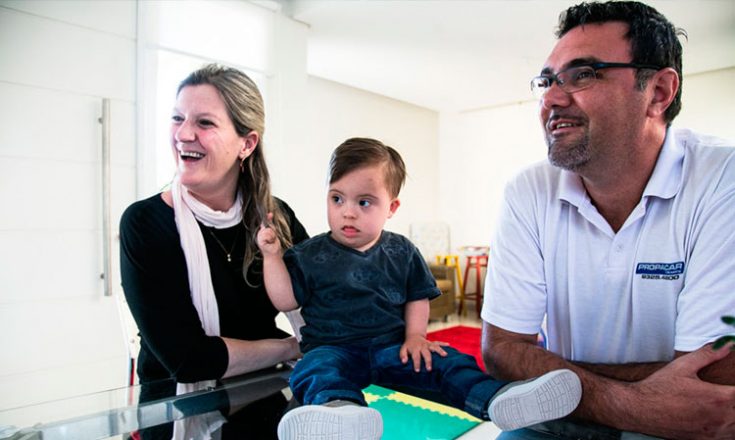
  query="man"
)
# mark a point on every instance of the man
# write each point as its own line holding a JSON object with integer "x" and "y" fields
{"x": 625, "y": 242}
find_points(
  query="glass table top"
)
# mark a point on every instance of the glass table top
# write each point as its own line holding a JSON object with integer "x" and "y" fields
{"x": 120, "y": 411}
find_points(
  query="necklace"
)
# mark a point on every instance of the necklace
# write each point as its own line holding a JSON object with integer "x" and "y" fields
{"x": 232, "y": 248}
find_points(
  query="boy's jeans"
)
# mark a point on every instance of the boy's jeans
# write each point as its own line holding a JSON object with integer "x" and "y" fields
{"x": 341, "y": 372}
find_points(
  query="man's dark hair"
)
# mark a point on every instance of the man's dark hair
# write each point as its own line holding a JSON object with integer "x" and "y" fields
{"x": 357, "y": 153}
{"x": 653, "y": 39}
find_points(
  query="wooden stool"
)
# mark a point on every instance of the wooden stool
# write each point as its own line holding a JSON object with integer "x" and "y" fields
{"x": 476, "y": 258}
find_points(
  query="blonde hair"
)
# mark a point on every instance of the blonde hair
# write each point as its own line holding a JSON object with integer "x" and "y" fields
{"x": 245, "y": 107}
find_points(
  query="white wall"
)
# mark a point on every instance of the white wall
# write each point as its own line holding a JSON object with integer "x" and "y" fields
{"x": 708, "y": 103}
{"x": 60, "y": 335}
{"x": 334, "y": 112}
{"x": 481, "y": 150}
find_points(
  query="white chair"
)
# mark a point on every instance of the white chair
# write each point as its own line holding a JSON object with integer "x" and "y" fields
{"x": 433, "y": 240}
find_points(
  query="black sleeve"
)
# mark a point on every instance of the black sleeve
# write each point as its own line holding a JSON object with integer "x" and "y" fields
{"x": 156, "y": 286}
{"x": 298, "y": 233}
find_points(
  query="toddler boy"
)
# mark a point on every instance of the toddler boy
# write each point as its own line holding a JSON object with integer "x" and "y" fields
{"x": 364, "y": 296}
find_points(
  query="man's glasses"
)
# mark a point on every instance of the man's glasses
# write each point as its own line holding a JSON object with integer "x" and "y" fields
{"x": 578, "y": 78}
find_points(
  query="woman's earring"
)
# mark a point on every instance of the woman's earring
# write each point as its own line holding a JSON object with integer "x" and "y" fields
{"x": 242, "y": 165}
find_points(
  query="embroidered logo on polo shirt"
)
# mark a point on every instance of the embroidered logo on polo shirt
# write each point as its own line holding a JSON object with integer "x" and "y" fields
{"x": 660, "y": 271}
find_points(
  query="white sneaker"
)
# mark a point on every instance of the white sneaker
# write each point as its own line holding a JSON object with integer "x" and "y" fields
{"x": 319, "y": 422}
{"x": 548, "y": 397}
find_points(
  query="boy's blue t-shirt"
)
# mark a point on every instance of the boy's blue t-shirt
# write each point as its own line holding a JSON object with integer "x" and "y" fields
{"x": 352, "y": 297}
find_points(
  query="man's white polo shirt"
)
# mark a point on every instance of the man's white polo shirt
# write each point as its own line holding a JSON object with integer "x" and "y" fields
{"x": 661, "y": 283}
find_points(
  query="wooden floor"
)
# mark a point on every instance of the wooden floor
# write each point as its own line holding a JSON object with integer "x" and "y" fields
{"x": 468, "y": 318}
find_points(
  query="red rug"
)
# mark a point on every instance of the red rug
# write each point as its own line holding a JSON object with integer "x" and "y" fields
{"x": 463, "y": 338}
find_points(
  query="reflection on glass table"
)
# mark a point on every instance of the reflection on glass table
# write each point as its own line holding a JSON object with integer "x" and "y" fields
{"x": 122, "y": 413}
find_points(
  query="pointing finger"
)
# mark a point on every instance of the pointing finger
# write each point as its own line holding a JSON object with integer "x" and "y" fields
{"x": 268, "y": 221}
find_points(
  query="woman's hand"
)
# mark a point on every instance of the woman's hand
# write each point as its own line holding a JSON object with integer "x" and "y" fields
{"x": 246, "y": 356}
{"x": 418, "y": 347}
{"x": 294, "y": 349}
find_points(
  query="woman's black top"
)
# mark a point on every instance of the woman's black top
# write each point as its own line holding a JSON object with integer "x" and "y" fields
{"x": 156, "y": 285}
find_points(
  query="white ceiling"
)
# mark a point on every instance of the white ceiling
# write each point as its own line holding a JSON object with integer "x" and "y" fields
{"x": 457, "y": 55}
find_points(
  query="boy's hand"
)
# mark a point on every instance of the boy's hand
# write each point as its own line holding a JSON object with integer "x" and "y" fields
{"x": 419, "y": 347}
{"x": 267, "y": 240}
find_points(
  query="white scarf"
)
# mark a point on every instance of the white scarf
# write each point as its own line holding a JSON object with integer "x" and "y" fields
{"x": 187, "y": 210}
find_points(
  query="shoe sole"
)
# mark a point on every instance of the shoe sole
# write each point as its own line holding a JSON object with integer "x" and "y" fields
{"x": 317, "y": 422}
{"x": 551, "y": 396}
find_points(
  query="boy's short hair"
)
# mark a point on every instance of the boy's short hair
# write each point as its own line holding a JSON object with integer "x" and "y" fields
{"x": 355, "y": 153}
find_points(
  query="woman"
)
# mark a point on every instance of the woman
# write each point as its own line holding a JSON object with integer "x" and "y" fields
{"x": 190, "y": 269}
